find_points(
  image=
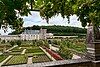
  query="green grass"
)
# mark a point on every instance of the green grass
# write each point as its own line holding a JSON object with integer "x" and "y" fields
{"x": 2, "y": 57}
{"x": 31, "y": 54}
{"x": 17, "y": 59}
{"x": 33, "y": 50}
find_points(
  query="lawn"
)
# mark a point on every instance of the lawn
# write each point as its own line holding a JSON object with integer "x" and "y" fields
{"x": 33, "y": 50}
{"x": 17, "y": 59}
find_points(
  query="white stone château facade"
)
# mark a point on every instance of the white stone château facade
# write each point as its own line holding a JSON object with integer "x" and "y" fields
{"x": 28, "y": 35}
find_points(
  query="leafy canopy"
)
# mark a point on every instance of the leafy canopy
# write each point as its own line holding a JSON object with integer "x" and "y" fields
{"x": 87, "y": 10}
{"x": 10, "y": 12}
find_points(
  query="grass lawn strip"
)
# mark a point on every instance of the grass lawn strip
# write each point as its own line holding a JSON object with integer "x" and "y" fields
{"x": 33, "y": 50}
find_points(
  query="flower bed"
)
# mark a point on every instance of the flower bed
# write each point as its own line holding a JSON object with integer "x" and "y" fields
{"x": 17, "y": 59}
{"x": 53, "y": 54}
{"x": 40, "y": 58}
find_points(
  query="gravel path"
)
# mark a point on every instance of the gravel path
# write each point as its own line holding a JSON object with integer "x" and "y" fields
{"x": 23, "y": 52}
{"x": 29, "y": 60}
{"x": 12, "y": 48}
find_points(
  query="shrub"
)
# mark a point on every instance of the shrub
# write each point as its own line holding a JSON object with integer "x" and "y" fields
{"x": 3, "y": 41}
{"x": 18, "y": 42}
{"x": 12, "y": 43}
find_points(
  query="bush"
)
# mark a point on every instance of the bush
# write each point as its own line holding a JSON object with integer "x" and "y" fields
{"x": 3, "y": 41}
{"x": 64, "y": 52}
{"x": 18, "y": 42}
{"x": 12, "y": 43}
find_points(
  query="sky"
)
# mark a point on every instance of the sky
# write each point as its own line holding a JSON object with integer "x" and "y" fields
{"x": 35, "y": 19}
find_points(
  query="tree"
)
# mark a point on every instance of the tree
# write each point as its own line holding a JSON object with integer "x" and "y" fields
{"x": 10, "y": 12}
{"x": 3, "y": 41}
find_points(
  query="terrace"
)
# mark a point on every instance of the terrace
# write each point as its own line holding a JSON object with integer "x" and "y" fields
{"x": 87, "y": 12}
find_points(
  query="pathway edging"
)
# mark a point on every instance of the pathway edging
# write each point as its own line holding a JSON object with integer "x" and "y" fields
{"x": 47, "y": 54}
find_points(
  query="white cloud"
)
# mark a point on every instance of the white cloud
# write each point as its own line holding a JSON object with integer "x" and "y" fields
{"x": 35, "y": 19}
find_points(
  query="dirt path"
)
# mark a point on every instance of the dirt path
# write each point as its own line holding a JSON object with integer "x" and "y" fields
{"x": 12, "y": 48}
{"x": 23, "y": 52}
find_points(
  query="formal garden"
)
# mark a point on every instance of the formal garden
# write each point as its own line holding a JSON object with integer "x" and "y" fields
{"x": 19, "y": 52}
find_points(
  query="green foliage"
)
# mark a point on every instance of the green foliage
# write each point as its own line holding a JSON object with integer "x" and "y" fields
{"x": 35, "y": 50}
{"x": 3, "y": 42}
{"x": 64, "y": 52}
{"x": 18, "y": 42}
{"x": 40, "y": 58}
{"x": 2, "y": 57}
{"x": 58, "y": 30}
{"x": 76, "y": 44}
{"x": 12, "y": 43}
{"x": 10, "y": 11}
{"x": 17, "y": 59}
{"x": 86, "y": 10}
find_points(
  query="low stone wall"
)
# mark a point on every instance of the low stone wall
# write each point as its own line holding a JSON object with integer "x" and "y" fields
{"x": 61, "y": 63}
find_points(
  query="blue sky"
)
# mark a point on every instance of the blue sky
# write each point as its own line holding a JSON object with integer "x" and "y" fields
{"x": 35, "y": 19}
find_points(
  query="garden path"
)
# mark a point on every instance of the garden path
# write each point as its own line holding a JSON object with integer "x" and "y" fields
{"x": 29, "y": 60}
{"x": 12, "y": 47}
{"x": 23, "y": 52}
{"x": 76, "y": 57}
{"x": 53, "y": 48}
